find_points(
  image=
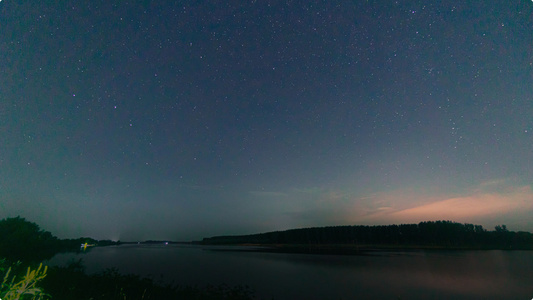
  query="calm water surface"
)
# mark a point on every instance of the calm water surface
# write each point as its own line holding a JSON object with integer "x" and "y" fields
{"x": 392, "y": 275}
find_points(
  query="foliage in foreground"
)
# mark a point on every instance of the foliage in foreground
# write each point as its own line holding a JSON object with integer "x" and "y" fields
{"x": 21, "y": 240}
{"x": 71, "y": 282}
{"x": 15, "y": 287}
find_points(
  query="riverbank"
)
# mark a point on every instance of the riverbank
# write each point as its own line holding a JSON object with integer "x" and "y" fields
{"x": 343, "y": 249}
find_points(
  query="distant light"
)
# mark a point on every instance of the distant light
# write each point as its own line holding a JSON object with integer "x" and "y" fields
{"x": 166, "y": 243}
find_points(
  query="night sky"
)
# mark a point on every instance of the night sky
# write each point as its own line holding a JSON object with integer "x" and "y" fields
{"x": 185, "y": 119}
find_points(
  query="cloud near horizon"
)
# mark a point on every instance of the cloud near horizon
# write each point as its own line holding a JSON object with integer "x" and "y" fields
{"x": 489, "y": 203}
{"x": 487, "y": 206}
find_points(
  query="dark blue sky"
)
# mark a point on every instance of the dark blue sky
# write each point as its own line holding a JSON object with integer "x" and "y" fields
{"x": 184, "y": 119}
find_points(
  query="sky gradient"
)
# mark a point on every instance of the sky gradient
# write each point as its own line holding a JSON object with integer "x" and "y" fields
{"x": 181, "y": 120}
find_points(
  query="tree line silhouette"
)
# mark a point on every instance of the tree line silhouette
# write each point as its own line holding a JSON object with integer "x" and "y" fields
{"x": 438, "y": 234}
{"x": 25, "y": 241}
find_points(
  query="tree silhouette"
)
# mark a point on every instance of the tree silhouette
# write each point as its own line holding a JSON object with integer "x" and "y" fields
{"x": 501, "y": 228}
{"x": 440, "y": 234}
{"x": 25, "y": 241}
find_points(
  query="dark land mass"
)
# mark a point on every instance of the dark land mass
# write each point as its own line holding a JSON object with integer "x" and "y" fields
{"x": 364, "y": 240}
{"x": 23, "y": 246}
{"x": 25, "y": 241}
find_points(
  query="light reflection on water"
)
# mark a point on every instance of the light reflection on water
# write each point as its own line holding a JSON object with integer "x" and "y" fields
{"x": 385, "y": 275}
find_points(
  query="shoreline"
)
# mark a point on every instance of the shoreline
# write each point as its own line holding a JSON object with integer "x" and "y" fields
{"x": 340, "y": 249}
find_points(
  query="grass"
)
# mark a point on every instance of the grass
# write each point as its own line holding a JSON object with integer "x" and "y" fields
{"x": 15, "y": 287}
{"x": 71, "y": 282}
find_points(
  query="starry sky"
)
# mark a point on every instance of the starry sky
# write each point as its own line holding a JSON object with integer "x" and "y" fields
{"x": 185, "y": 119}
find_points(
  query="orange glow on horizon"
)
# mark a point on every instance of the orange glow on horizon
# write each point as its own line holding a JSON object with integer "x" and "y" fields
{"x": 476, "y": 207}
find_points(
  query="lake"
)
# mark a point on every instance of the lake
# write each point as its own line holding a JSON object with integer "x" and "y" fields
{"x": 383, "y": 275}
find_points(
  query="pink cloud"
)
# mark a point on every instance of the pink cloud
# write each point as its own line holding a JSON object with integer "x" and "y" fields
{"x": 481, "y": 205}
{"x": 471, "y": 206}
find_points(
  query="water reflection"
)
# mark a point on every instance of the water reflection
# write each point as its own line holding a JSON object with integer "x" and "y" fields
{"x": 386, "y": 275}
